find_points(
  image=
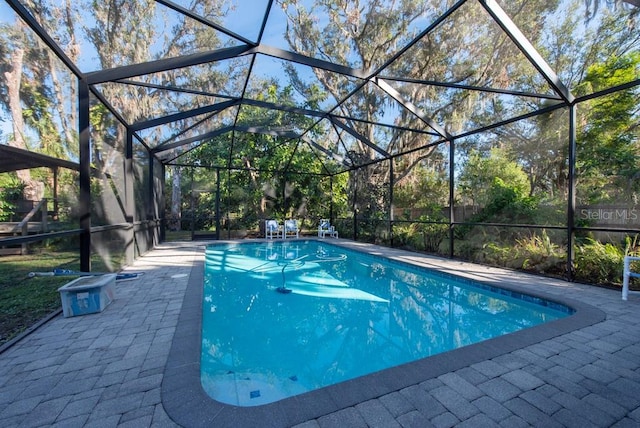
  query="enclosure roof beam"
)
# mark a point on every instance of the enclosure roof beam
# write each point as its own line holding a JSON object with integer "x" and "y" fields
{"x": 224, "y": 130}
{"x": 386, "y": 125}
{"x": 393, "y": 93}
{"x": 200, "y": 19}
{"x": 514, "y": 33}
{"x": 172, "y": 88}
{"x": 495, "y": 125}
{"x": 327, "y": 152}
{"x": 186, "y": 130}
{"x": 361, "y": 138}
{"x": 245, "y": 86}
{"x": 309, "y": 61}
{"x": 206, "y": 136}
{"x": 544, "y": 110}
{"x": 115, "y": 113}
{"x": 14, "y": 159}
{"x": 26, "y": 16}
{"x": 608, "y": 91}
{"x": 315, "y": 149}
{"x": 267, "y": 131}
{"x": 167, "y": 158}
{"x": 183, "y": 115}
{"x": 324, "y": 115}
{"x": 290, "y": 109}
{"x": 265, "y": 19}
{"x": 471, "y": 88}
{"x": 340, "y": 141}
{"x": 108, "y": 105}
{"x": 416, "y": 39}
{"x": 237, "y": 168}
{"x": 134, "y": 70}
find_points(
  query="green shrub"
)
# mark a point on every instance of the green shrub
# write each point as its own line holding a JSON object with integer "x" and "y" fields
{"x": 431, "y": 234}
{"x": 11, "y": 190}
{"x": 403, "y": 235}
{"x": 539, "y": 254}
{"x": 536, "y": 253}
{"x": 494, "y": 254}
{"x": 599, "y": 263}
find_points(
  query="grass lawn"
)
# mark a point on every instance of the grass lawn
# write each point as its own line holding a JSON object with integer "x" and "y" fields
{"x": 26, "y": 300}
{"x": 23, "y": 300}
{"x": 180, "y": 235}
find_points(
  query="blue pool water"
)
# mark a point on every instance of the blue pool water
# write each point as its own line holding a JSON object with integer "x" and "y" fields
{"x": 282, "y": 318}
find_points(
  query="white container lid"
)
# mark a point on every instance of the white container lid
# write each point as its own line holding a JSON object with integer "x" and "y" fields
{"x": 87, "y": 282}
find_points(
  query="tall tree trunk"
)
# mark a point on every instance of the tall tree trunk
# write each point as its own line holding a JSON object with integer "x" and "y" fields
{"x": 14, "y": 79}
{"x": 68, "y": 116}
{"x": 253, "y": 175}
{"x": 32, "y": 190}
{"x": 176, "y": 200}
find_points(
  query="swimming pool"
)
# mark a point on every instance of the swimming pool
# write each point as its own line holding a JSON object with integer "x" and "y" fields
{"x": 284, "y": 318}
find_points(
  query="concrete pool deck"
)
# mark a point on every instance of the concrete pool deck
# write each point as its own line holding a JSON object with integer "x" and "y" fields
{"x": 132, "y": 365}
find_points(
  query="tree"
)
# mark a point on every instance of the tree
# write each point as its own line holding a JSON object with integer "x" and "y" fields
{"x": 40, "y": 102}
{"x": 359, "y": 35}
{"x": 592, "y": 6}
{"x": 273, "y": 175}
{"x": 484, "y": 177}
{"x": 466, "y": 48}
{"x": 42, "y": 95}
{"x": 540, "y": 144}
{"x": 34, "y": 97}
{"x": 609, "y": 144}
{"x": 12, "y": 53}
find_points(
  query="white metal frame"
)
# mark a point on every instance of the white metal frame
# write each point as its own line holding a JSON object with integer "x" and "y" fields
{"x": 291, "y": 227}
{"x": 271, "y": 228}
{"x": 626, "y": 274}
{"x": 325, "y": 228}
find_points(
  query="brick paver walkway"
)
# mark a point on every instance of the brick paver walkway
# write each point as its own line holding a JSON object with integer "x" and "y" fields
{"x": 106, "y": 370}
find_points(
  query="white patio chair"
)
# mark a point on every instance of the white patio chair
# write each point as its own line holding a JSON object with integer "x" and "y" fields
{"x": 325, "y": 228}
{"x": 291, "y": 229}
{"x": 627, "y": 273}
{"x": 272, "y": 229}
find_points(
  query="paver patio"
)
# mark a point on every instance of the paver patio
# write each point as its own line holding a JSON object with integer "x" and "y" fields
{"x": 107, "y": 369}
